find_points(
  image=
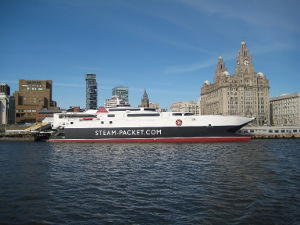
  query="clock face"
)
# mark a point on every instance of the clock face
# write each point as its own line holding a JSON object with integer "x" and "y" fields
{"x": 246, "y": 62}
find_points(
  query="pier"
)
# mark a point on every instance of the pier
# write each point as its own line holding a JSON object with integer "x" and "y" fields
{"x": 266, "y": 132}
{"x": 26, "y": 133}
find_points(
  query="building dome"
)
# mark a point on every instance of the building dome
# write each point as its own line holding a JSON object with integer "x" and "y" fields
{"x": 243, "y": 43}
{"x": 260, "y": 74}
{"x": 206, "y": 82}
{"x": 226, "y": 73}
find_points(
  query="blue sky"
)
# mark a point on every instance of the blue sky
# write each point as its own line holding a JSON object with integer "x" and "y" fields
{"x": 168, "y": 47}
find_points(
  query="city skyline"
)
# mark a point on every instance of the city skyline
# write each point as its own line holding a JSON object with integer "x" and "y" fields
{"x": 167, "y": 47}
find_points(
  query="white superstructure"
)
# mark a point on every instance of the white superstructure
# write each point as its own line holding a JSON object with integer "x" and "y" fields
{"x": 143, "y": 117}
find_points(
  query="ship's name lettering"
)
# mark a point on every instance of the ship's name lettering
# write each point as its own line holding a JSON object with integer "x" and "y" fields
{"x": 127, "y": 132}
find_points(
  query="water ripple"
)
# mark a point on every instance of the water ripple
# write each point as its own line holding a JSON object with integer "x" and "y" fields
{"x": 234, "y": 183}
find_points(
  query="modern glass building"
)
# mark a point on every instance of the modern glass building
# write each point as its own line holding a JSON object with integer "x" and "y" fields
{"x": 91, "y": 91}
{"x": 122, "y": 92}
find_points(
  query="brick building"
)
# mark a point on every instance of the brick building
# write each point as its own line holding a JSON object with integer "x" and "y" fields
{"x": 33, "y": 95}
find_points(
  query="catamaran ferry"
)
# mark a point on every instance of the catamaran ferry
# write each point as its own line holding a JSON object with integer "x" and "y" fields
{"x": 126, "y": 124}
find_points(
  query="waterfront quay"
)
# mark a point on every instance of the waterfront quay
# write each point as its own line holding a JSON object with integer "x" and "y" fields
{"x": 25, "y": 132}
{"x": 267, "y": 132}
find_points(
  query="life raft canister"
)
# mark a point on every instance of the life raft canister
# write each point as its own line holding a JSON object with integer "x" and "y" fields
{"x": 178, "y": 122}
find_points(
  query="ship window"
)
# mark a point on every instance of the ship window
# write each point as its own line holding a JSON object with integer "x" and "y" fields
{"x": 177, "y": 114}
{"x": 149, "y": 109}
{"x": 123, "y": 109}
{"x": 110, "y": 122}
{"x": 77, "y": 115}
{"x": 143, "y": 115}
{"x": 72, "y": 122}
{"x": 189, "y": 114}
{"x": 111, "y": 115}
{"x": 102, "y": 122}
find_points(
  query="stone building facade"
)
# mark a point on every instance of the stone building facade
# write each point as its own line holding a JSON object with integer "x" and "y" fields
{"x": 145, "y": 101}
{"x": 285, "y": 110}
{"x": 246, "y": 93}
{"x": 115, "y": 101}
{"x": 186, "y": 106}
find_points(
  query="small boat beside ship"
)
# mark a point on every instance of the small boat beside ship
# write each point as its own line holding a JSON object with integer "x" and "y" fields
{"x": 125, "y": 124}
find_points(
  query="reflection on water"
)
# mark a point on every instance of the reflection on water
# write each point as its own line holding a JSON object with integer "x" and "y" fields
{"x": 212, "y": 183}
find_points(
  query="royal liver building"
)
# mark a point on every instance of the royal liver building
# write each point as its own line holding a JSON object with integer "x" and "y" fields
{"x": 246, "y": 93}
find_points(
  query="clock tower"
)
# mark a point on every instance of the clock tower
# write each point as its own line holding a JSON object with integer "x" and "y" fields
{"x": 244, "y": 61}
{"x": 246, "y": 93}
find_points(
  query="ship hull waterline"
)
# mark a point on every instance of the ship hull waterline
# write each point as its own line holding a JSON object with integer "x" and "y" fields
{"x": 157, "y": 140}
{"x": 148, "y": 135}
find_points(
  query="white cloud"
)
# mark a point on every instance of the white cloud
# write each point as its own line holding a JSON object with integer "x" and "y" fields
{"x": 272, "y": 47}
{"x": 190, "y": 67}
{"x": 267, "y": 13}
{"x": 200, "y": 65}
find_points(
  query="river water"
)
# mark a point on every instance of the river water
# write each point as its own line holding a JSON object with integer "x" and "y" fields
{"x": 256, "y": 182}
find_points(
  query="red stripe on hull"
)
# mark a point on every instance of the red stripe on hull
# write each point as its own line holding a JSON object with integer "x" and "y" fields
{"x": 160, "y": 140}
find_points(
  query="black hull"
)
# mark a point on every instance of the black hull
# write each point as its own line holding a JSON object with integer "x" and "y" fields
{"x": 146, "y": 134}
